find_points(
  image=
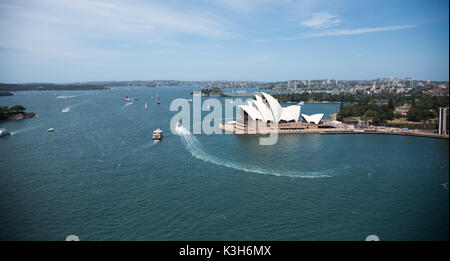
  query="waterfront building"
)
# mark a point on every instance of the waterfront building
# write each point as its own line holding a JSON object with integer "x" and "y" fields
{"x": 443, "y": 120}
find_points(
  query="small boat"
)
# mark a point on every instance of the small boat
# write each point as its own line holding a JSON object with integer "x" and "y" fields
{"x": 126, "y": 98}
{"x": 146, "y": 105}
{"x": 51, "y": 130}
{"x": 301, "y": 103}
{"x": 157, "y": 98}
{"x": 4, "y": 133}
{"x": 157, "y": 134}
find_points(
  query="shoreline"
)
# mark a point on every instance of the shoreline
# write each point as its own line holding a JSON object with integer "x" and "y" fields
{"x": 282, "y": 129}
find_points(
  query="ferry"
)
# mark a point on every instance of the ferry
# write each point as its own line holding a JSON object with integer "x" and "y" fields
{"x": 126, "y": 98}
{"x": 4, "y": 133}
{"x": 157, "y": 134}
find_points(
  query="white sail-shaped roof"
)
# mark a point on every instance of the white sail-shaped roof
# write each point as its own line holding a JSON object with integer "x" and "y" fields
{"x": 274, "y": 106}
{"x": 267, "y": 108}
{"x": 315, "y": 118}
{"x": 263, "y": 109}
{"x": 252, "y": 112}
{"x": 290, "y": 113}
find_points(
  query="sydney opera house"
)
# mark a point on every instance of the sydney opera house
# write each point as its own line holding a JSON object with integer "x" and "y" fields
{"x": 265, "y": 114}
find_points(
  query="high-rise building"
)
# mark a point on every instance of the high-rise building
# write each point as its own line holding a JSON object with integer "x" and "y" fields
{"x": 443, "y": 120}
{"x": 294, "y": 85}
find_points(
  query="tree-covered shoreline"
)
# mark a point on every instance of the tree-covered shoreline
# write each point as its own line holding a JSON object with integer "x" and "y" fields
{"x": 16, "y": 112}
{"x": 8, "y": 87}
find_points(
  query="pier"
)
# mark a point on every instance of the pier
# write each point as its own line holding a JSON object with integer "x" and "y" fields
{"x": 324, "y": 128}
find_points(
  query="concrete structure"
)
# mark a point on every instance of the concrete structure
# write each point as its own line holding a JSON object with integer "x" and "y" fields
{"x": 264, "y": 114}
{"x": 443, "y": 121}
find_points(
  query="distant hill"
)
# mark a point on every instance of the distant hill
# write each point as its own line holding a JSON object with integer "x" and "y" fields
{"x": 5, "y": 87}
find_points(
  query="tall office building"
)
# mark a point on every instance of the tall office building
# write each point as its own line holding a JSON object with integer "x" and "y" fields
{"x": 443, "y": 120}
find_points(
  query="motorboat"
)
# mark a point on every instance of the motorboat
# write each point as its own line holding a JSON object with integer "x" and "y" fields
{"x": 157, "y": 134}
{"x": 4, "y": 133}
{"x": 51, "y": 130}
{"x": 126, "y": 98}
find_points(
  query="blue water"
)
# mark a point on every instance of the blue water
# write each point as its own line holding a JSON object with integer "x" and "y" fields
{"x": 101, "y": 177}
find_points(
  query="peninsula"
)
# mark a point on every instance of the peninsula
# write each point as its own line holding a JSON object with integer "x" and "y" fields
{"x": 7, "y": 87}
{"x": 16, "y": 112}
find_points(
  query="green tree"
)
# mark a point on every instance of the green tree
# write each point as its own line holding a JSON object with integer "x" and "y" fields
{"x": 391, "y": 105}
{"x": 18, "y": 109}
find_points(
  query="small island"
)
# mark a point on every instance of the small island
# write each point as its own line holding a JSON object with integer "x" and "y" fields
{"x": 209, "y": 92}
{"x": 16, "y": 112}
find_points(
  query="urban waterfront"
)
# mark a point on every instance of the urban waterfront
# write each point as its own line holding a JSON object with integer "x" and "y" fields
{"x": 101, "y": 177}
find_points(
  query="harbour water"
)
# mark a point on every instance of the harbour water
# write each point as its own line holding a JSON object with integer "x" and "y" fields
{"x": 100, "y": 176}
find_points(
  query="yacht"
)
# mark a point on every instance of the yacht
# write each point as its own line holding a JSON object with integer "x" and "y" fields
{"x": 4, "y": 133}
{"x": 51, "y": 130}
{"x": 157, "y": 134}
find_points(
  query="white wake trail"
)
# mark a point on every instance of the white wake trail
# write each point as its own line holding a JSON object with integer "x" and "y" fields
{"x": 66, "y": 97}
{"x": 194, "y": 147}
{"x": 126, "y": 105}
{"x": 66, "y": 109}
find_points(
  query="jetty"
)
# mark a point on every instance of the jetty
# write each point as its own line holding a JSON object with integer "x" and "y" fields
{"x": 323, "y": 128}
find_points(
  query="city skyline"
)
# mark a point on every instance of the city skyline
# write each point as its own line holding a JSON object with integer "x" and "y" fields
{"x": 267, "y": 41}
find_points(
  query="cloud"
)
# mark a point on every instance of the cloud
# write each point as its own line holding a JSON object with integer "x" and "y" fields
{"x": 321, "y": 21}
{"x": 356, "y": 31}
{"x": 73, "y": 30}
{"x": 337, "y": 33}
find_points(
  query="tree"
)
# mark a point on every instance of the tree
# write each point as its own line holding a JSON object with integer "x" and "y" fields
{"x": 391, "y": 104}
{"x": 18, "y": 109}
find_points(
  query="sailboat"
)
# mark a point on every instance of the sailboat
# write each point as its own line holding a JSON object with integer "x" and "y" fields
{"x": 157, "y": 98}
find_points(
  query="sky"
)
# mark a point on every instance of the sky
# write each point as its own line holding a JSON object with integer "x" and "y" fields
{"x": 65, "y": 41}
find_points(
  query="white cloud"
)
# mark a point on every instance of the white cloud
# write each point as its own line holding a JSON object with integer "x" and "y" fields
{"x": 63, "y": 29}
{"x": 337, "y": 33}
{"x": 356, "y": 31}
{"x": 321, "y": 21}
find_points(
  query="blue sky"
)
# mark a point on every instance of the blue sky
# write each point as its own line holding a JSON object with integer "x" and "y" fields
{"x": 260, "y": 40}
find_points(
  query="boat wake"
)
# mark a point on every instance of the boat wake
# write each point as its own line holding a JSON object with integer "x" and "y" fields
{"x": 193, "y": 145}
{"x": 126, "y": 105}
{"x": 66, "y": 109}
{"x": 66, "y": 97}
{"x": 24, "y": 130}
